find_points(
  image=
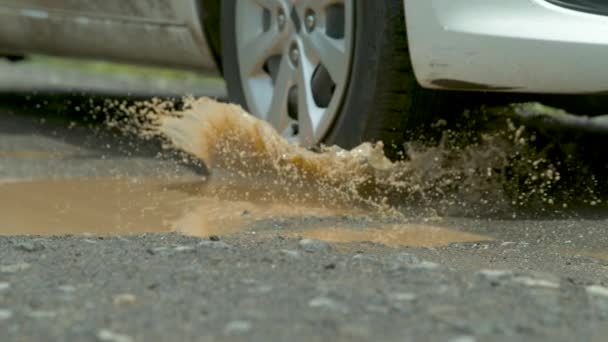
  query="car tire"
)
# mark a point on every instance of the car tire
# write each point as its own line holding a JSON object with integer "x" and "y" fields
{"x": 382, "y": 100}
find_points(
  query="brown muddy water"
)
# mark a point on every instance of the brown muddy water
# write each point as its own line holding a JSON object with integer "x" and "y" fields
{"x": 110, "y": 206}
{"x": 264, "y": 178}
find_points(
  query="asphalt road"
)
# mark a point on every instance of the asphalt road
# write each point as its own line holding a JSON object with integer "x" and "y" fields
{"x": 269, "y": 277}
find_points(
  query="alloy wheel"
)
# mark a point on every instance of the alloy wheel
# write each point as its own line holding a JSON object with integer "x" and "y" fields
{"x": 294, "y": 60}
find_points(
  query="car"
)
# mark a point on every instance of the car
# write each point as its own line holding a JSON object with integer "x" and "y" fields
{"x": 335, "y": 71}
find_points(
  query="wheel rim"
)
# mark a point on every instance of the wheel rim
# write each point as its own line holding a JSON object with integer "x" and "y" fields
{"x": 294, "y": 60}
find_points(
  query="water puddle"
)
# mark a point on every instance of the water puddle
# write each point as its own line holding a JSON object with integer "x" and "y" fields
{"x": 110, "y": 206}
{"x": 96, "y": 206}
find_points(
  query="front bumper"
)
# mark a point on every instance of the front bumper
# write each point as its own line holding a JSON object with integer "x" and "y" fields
{"x": 514, "y": 45}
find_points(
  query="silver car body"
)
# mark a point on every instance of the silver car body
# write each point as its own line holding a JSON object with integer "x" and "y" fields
{"x": 164, "y": 32}
{"x": 496, "y": 45}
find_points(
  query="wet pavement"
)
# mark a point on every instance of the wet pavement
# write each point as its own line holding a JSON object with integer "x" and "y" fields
{"x": 113, "y": 238}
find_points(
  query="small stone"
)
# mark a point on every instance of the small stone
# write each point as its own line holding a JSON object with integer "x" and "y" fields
{"x": 124, "y": 299}
{"x": 66, "y": 288}
{"x": 291, "y": 253}
{"x": 214, "y": 238}
{"x": 327, "y": 303}
{"x": 159, "y": 250}
{"x": 407, "y": 258}
{"x": 5, "y": 314}
{"x": 493, "y": 275}
{"x": 30, "y": 246}
{"x": 105, "y": 335}
{"x": 532, "y": 282}
{"x": 214, "y": 244}
{"x": 261, "y": 289}
{"x": 597, "y": 290}
{"x": 237, "y": 327}
{"x": 426, "y": 265}
{"x": 364, "y": 258}
{"x": 4, "y": 286}
{"x": 183, "y": 248}
{"x": 14, "y": 268}
{"x": 311, "y": 246}
{"x": 403, "y": 296}
{"x": 408, "y": 261}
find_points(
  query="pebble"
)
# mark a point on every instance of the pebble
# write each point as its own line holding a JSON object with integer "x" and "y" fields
{"x": 426, "y": 265}
{"x": 364, "y": 258}
{"x": 403, "y": 296}
{"x": 14, "y": 268}
{"x": 124, "y": 299}
{"x": 237, "y": 327}
{"x": 4, "y": 286}
{"x": 410, "y": 261}
{"x": 30, "y": 246}
{"x": 5, "y": 314}
{"x": 407, "y": 258}
{"x": 493, "y": 275}
{"x": 105, "y": 335}
{"x": 597, "y": 290}
{"x": 214, "y": 244}
{"x": 66, "y": 288}
{"x": 327, "y": 303}
{"x": 183, "y": 248}
{"x": 261, "y": 289}
{"x": 311, "y": 246}
{"x": 532, "y": 282}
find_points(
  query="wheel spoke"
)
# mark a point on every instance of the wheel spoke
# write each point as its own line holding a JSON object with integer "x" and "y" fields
{"x": 330, "y": 52}
{"x": 277, "y": 113}
{"x": 307, "y": 110}
{"x": 258, "y": 49}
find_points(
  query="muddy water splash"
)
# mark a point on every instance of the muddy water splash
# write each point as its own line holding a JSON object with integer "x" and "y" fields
{"x": 472, "y": 178}
{"x": 228, "y": 138}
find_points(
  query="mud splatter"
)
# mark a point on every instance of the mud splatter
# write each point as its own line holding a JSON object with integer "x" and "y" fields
{"x": 468, "y": 171}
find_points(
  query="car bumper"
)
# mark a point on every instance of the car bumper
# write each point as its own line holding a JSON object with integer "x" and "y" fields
{"x": 514, "y": 45}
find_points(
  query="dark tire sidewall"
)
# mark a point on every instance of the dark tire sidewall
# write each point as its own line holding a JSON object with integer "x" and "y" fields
{"x": 229, "y": 53}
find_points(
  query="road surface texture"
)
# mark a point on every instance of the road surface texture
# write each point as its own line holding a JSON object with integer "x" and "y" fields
{"x": 92, "y": 272}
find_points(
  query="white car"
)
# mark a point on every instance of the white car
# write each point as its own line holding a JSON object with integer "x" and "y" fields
{"x": 335, "y": 71}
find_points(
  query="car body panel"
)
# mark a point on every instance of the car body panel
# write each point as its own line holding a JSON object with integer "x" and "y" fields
{"x": 163, "y": 32}
{"x": 514, "y": 45}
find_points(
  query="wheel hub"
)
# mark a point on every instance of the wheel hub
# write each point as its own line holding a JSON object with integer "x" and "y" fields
{"x": 294, "y": 69}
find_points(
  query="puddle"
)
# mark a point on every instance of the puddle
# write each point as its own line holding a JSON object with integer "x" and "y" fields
{"x": 109, "y": 206}
{"x": 96, "y": 206}
{"x": 129, "y": 206}
{"x": 393, "y": 235}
